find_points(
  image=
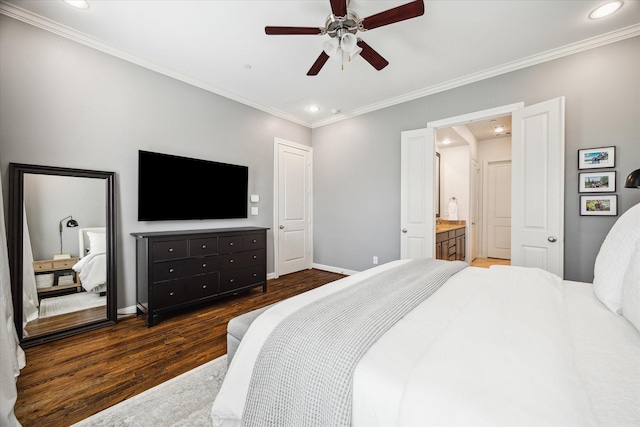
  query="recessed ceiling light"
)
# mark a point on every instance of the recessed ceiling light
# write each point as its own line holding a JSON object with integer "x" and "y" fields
{"x": 606, "y": 9}
{"x": 446, "y": 141}
{"x": 78, "y": 4}
{"x": 498, "y": 128}
{"x": 313, "y": 108}
{"x": 335, "y": 111}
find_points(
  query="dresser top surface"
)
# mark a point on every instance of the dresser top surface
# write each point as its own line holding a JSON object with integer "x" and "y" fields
{"x": 241, "y": 230}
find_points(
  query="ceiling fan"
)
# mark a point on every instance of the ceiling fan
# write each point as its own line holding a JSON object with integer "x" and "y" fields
{"x": 342, "y": 26}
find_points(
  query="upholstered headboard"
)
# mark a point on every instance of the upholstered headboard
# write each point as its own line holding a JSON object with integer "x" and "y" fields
{"x": 83, "y": 238}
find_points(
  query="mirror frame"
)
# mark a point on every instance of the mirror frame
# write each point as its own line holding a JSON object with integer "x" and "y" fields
{"x": 16, "y": 202}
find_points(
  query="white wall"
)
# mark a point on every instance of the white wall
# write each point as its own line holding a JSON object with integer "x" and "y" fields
{"x": 64, "y": 104}
{"x": 454, "y": 175}
{"x": 357, "y": 161}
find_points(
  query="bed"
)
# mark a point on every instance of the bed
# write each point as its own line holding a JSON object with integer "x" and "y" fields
{"x": 92, "y": 266}
{"x": 500, "y": 346}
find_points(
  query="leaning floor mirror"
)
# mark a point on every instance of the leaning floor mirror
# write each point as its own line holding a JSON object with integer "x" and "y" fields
{"x": 61, "y": 251}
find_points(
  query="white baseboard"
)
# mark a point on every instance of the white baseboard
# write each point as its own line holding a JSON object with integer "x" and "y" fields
{"x": 334, "y": 269}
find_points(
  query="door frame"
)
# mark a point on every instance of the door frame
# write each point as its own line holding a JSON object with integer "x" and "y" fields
{"x": 277, "y": 142}
{"x": 467, "y": 118}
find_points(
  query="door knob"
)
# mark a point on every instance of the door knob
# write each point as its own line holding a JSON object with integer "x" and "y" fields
{"x": 404, "y": 230}
{"x": 281, "y": 227}
{"x": 552, "y": 239}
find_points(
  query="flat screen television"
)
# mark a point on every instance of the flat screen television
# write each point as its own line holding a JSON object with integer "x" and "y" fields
{"x": 180, "y": 188}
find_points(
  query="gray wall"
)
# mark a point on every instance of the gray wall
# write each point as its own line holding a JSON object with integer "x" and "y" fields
{"x": 64, "y": 104}
{"x": 357, "y": 161}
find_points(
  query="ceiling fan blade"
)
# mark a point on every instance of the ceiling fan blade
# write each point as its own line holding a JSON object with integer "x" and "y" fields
{"x": 397, "y": 14}
{"x": 339, "y": 7}
{"x": 317, "y": 66}
{"x": 282, "y": 31}
{"x": 371, "y": 56}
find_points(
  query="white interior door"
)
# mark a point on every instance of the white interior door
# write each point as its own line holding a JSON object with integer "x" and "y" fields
{"x": 417, "y": 195}
{"x": 537, "y": 238}
{"x": 499, "y": 209}
{"x": 475, "y": 209}
{"x": 293, "y": 202}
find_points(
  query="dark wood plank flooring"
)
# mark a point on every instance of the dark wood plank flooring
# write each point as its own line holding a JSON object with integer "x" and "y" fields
{"x": 71, "y": 379}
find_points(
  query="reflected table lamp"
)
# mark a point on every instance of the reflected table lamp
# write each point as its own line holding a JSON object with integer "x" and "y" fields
{"x": 71, "y": 223}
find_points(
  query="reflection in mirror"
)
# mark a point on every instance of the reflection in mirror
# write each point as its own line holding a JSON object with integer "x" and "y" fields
{"x": 63, "y": 257}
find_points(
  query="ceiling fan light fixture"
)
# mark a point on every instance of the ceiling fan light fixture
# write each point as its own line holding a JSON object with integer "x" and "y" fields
{"x": 349, "y": 42}
{"x": 606, "y": 9}
{"x": 331, "y": 46}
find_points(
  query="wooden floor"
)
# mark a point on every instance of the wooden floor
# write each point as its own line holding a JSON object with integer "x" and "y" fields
{"x": 71, "y": 379}
{"x": 488, "y": 262}
{"x": 55, "y": 323}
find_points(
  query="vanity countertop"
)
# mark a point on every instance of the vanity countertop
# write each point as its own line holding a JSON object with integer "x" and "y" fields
{"x": 448, "y": 227}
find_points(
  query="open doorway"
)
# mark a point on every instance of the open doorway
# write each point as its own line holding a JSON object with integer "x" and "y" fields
{"x": 476, "y": 174}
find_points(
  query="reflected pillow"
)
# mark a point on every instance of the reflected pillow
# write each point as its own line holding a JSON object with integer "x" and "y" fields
{"x": 613, "y": 259}
{"x": 97, "y": 243}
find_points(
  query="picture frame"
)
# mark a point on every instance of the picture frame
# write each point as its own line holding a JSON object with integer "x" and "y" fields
{"x": 599, "y": 205}
{"x": 597, "y": 182}
{"x": 597, "y": 158}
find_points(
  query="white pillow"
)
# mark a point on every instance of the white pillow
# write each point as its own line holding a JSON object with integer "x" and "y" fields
{"x": 613, "y": 259}
{"x": 97, "y": 243}
{"x": 631, "y": 289}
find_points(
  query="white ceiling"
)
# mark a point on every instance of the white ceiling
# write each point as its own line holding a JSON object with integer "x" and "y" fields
{"x": 221, "y": 45}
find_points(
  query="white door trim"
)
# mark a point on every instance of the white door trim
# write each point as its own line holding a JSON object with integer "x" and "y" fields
{"x": 277, "y": 142}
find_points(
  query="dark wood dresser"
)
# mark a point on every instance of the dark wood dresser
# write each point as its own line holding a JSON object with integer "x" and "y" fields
{"x": 176, "y": 269}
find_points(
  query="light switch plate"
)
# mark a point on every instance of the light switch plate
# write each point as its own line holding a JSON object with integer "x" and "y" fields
{"x": 254, "y": 210}
{"x": 255, "y": 198}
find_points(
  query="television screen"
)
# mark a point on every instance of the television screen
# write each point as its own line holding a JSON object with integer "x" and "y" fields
{"x": 179, "y": 188}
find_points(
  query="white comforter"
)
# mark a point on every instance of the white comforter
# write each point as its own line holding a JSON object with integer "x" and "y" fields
{"x": 491, "y": 347}
{"x": 93, "y": 271}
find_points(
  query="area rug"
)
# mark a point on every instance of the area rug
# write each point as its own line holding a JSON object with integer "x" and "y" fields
{"x": 183, "y": 401}
{"x": 69, "y": 303}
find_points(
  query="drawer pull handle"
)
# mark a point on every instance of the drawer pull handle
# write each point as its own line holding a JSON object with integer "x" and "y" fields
{"x": 231, "y": 260}
{"x": 170, "y": 294}
{"x": 255, "y": 257}
{"x": 204, "y": 265}
{"x": 255, "y": 241}
{"x": 230, "y": 243}
{"x": 255, "y": 275}
{"x": 204, "y": 246}
{"x": 230, "y": 280}
{"x": 204, "y": 286}
{"x": 170, "y": 249}
{"x": 171, "y": 270}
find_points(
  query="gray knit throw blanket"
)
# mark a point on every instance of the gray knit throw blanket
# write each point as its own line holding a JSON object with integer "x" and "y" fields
{"x": 303, "y": 375}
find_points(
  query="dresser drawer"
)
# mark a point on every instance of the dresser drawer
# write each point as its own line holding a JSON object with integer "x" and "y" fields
{"x": 201, "y": 247}
{"x": 170, "y": 270}
{"x": 241, "y": 259}
{"x": 169, "y": 294}
{"x": 230, "y": 244}
{"x": 237, "y": 279}
{"x": 254, "y": 241}
{"x": 202, "y": 286}
{"x": 169, "y": 250}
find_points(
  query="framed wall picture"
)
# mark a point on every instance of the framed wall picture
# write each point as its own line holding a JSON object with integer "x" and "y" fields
{"x": 597, "y": 182}
{"x": 599, "y": 205}
{"x": 596, "y": 158}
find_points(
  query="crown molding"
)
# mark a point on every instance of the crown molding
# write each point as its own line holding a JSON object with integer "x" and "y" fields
{"x": 86, "y": 40}
{"x": 69, "y": 33}
{"x": 550, "y": 55}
